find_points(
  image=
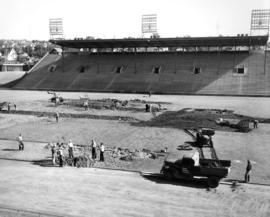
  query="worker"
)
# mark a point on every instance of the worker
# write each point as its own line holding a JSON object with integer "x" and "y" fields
{"x": 159, "y": 107}
{"x": 255, "y": 123}
{"x": 248, "y": 171}
{"x": 147, "y": 107}
{"x": 102, "y": 149}
{"x": 57, "y": 117}
{"x": 117, "y": 104}
{"x": 85, "y": 105}
{"x": 20, "y": 140}
{"x": 61, "y": 156}
{"x": 165, "y": 150}
{"x": 70, "y": 149}
{"x": 8, "y": 107}
{"x": 15, "y": 107}
{"x": 199, "y": 138}
{"x": 56, "y": 101}
{"x": 94, "y": 149}
{"x": 52, "y": 145}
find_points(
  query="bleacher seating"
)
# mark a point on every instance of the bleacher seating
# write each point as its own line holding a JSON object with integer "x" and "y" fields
{"x": 176, "y": 75}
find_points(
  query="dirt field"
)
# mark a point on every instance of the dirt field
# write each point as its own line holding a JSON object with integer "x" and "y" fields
{"x": 229, "y": 145}
{"x": 88, "y": 192}
{"x": 254, "y": 106}
{"x": 237, "y": 147}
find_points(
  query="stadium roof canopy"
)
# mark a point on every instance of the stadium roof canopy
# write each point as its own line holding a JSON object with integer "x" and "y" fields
{"x": 165, "y": 42}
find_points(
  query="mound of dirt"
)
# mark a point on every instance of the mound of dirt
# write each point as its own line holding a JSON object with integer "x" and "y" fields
{"x": 83, "y": 161}
{"x": 199, "y": 118}
{"x": 129, "y": 155}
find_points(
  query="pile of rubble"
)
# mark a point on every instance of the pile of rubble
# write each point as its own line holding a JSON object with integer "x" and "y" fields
{"x": 83, "y": 155}
{"x": 115, "y": 104}
{"x": 127, "y": 155}
{"x": 97, "y": 104}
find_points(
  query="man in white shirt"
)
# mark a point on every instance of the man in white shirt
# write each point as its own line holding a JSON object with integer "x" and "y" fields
{"x": 20, "y": 140}
{"x": 85, "y": 104}
{"x": 94, "y": 149}
{"x": 70, "y": 149}
{"x": 102, "y": 149}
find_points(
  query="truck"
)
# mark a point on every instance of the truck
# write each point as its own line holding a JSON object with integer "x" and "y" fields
{"x": 190, "y": 166}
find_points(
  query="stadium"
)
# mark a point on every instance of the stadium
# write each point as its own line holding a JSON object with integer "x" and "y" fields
{"x": 180, "y": 119}
{"x": 207, "y": 65}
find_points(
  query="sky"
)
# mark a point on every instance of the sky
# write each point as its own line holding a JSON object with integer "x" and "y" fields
{"x": 29, "y": 19}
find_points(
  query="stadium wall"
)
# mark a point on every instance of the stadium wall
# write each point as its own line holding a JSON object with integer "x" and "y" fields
{"x": 163, "y": 73}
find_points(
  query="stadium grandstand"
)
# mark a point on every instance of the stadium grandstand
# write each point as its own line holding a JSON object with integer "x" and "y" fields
{"x": 238, "y": 65}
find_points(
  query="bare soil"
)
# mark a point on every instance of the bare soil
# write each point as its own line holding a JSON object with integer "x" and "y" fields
{"x": 88, "y": 192}
{"x": 234, "y": 146}
{"x": 39, "y": 185}
{"x": 140, "y": 130}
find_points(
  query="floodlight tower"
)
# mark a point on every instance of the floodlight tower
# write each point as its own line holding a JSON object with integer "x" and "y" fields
{"x": 260, "y": 26}
{"x": 149, "y": 24}
{"x": 56, "y": 28}
{"x": 260, "y": 22}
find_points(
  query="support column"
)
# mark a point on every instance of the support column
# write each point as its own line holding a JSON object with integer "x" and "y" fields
{"x": 63, "y": 59}
{"x": 135, "y": 65}
{"x": 175, "y": 57}
{"x": 265, "y": 64}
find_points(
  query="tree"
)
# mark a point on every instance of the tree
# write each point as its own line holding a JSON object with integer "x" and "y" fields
{"x": 39, "y": 51}
{"x": 28, "y": 49}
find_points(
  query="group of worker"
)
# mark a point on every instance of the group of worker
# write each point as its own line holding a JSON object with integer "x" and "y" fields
{"x": 94, "y": 150}
{"x": 60, "y": 148}
{"x": 9, "y": 107}
{"x": 57, "y": 149}
{"x": 255, "y": 123}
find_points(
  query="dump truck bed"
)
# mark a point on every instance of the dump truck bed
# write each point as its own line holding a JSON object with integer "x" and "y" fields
{"x": 219, "y": 172}
{"x": 215, "y": 163}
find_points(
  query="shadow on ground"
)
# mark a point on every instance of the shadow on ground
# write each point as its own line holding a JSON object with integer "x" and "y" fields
{"x": 235, "y": 180}
{"x": 159, "y": 179}
{"x": 44, "y": 163}
{"x": 10, "y": 149}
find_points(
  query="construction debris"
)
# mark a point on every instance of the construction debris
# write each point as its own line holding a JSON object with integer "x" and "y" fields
{"x": 83, "y": 156}
{"x": 115, "y": 104}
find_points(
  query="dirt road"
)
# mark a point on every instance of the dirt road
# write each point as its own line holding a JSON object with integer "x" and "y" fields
{"x": 88, "y": 192}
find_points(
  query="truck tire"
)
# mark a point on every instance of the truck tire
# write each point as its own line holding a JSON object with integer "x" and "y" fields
{"x": 213, "y": 181}
{"x": 168, "y": 175}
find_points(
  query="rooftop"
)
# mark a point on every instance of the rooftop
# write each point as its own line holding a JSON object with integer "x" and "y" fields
{"x": 165, "y": 42}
